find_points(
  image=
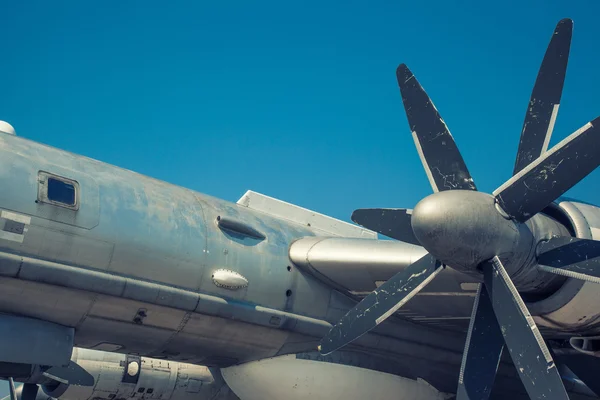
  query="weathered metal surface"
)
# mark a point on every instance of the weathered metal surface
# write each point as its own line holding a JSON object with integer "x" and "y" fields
{"x": 135, "y": 274}
{"x": 321, "y": 224}
{"x": 355, "y": 265}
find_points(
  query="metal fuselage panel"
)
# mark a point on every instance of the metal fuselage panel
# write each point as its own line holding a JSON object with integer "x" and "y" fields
{"x": 129, "y": 225}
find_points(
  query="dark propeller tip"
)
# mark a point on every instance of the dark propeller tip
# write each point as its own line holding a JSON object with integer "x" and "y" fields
{"x": 565, "y": 22}
{"x": 564, "y": 27}
{"x": 403, "y": 74}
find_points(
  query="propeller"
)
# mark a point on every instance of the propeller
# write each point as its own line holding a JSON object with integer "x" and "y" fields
{"x": 391, "y": 222}
{"x": 545, "y": 97}
{"x": 571, "y": 257}
{"x": 486, "y": 236}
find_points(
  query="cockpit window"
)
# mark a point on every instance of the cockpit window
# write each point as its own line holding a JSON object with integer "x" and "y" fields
{"x": 61, "y": 192}
{"x": 58, "y": 190}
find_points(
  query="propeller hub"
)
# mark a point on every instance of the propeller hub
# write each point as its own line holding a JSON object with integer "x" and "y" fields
{"x": 463, "y": 228}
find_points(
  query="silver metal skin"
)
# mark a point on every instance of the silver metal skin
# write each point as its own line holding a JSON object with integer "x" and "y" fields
{"x": 353, "y": 264}
{"x": 463, "y": 228}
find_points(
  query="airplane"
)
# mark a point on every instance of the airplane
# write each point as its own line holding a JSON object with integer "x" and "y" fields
{"x": 283, "y": 302}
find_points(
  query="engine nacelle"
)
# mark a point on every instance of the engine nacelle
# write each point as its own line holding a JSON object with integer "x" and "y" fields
{"x": 573, "y": 306}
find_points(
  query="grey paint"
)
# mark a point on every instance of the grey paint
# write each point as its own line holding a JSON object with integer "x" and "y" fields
{"x": 133, "y": 270}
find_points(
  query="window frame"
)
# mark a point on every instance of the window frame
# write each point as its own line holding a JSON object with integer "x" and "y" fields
{"x": 43, "y": 177}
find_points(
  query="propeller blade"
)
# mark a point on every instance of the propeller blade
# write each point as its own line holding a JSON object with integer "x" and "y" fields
{"x": 381, "y": 303}
{"x": 584, "y": 367}
{"x": 483, "y": 349}
{"x": 29, "y": 391}
{"x": 439, "y": 154}
{"x": 391, "y": 222}
{"x": 527, "y": 348}
{"x": 568, "y": 274}
{"x": 551, "y": 175}
{"x": 545, "y": 97}
{"x": 569, "y": 254}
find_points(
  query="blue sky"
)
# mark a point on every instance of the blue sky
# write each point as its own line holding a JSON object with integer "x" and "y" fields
{"x": 297, "y": 100}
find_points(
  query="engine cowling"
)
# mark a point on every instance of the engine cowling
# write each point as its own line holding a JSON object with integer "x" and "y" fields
{"x": 573, "y": 306}
{"x": 357, "y": 266}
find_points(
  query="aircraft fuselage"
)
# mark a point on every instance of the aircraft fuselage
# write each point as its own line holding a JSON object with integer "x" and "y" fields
{"x": 140, "y": 266}
{"x": 130, "y": 240}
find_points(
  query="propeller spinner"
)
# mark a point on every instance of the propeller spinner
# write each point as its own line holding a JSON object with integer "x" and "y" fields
{"x": 484, "y": 235}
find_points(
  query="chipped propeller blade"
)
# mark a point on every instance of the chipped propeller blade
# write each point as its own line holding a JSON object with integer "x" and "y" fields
{"x": 523, "y": 339}
{"x": 381, "y": 303}
{"x": 545, "y": 97}
{"x": 439, "y": 154}
{"x": 551, "y": 175}
{"x": 572, "y": 257}
{"x": 483, "y": 349}
{"x": 391, "y": 222}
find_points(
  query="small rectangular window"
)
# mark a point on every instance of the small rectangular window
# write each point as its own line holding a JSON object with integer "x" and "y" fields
{"x": 58, "y": 190}
{"x": 61, "y": 192}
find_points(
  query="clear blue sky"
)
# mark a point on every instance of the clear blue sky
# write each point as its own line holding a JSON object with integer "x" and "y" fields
{"x": 297, "y": 100}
